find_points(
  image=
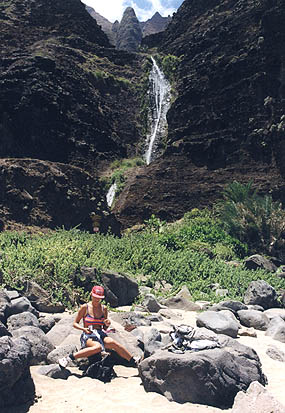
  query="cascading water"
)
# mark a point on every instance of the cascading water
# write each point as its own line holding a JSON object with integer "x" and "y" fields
{"x": 159, "y": 105}
{"x": 111, "y": 194}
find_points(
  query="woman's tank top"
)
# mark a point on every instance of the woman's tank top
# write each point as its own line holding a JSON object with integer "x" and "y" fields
{"x": 90, "y": 321}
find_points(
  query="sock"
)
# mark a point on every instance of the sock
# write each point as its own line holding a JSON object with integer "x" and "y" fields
{"x": 132, "y": 362}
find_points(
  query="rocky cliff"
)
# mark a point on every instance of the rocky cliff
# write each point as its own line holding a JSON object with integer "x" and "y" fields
{"x": 155, "y": 24}
{"x": 129, "y": 34}
{"x": 68, "y": 97}
{"x": 63, "y": 99}
{"x": 228, "y": 121}
{"x": 63, "y": 89}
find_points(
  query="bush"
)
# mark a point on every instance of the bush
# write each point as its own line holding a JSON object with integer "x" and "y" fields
{"x": 119, "y": 167}
{"x": 257, "y": 220}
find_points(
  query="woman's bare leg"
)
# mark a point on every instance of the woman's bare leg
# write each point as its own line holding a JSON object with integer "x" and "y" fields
{"x": 111, "y": 344}
{"x": 92, "y": 347}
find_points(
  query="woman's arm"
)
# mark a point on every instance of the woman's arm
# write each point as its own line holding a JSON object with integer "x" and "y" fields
{"x": 107, "y": 322}
{"x": 81, "y": 313}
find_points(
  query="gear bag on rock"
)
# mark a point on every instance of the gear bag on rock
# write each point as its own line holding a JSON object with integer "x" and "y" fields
{"x": 102, "y": 370}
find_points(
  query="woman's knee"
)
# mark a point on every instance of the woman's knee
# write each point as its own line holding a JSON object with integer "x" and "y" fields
{"x": 110, "y": 343}
{"x": 93, "y": 345}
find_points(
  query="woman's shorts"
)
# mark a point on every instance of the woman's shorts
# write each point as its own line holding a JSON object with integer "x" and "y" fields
{"x": 94, "y": 336}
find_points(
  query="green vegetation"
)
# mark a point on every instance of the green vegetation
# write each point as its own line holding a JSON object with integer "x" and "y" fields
{"x": 191, "y": 251}
{"x": 251, "y": 218}
{"x": 119, "y": 168}
{"x": 170, "y": 65}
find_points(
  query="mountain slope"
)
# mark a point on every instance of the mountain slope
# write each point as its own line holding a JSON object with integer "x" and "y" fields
{"x": 227, "y": 121}
{"x": 63, "y": 89}
{"x": 155, "y": 24}
{"x": 106, "y": 26}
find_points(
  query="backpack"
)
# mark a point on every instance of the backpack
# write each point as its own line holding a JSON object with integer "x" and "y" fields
{"x": 102, "y": 370}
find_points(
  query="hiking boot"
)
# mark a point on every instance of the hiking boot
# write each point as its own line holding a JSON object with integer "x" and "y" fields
{"x": 64, "y": 361}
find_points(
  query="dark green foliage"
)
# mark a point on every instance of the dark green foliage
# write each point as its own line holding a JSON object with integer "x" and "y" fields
{"x": 251, "y": 218}
{"x": 191, "y": 251}
{"x": 119, "y": 168}
{"x": 170, "y": 65}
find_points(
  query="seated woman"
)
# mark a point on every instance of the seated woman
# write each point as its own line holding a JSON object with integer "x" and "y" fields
{"x": 93, "y": 338}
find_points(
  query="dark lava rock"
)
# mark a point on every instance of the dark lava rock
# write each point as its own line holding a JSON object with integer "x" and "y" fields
{"x": 129, "y": 33}
{"x": 227, "y": 121}
{"x": 51, "y": 195}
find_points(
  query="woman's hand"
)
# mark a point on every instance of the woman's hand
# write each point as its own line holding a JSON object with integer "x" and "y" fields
{"x": 86, "y": 330}
{"x": 107, "y": 322}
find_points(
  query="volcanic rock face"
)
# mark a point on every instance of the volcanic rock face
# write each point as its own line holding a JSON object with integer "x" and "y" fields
{"x": 47, "y": 194}
{"x": 231, "y": 81}
{"x": 67, "y": 96}
{"x": 228, "y": 121}
{"x": 129, "y": 34}
{"x": 64, "y": 91}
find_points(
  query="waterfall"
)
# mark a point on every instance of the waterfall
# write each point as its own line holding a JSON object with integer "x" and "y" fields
{"x": 159, "y": 105}
{"x": 111, "y": 194}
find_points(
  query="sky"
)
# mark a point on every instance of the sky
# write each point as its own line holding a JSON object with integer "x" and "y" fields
{"x": 145, "y": 9}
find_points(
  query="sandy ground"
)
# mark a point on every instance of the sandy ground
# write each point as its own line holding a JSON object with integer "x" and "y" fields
{"x": 126, "y": 393}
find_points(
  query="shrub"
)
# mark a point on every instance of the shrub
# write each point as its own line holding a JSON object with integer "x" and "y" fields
{"x": 257, "y": 220}
{"x": 119, "y": 167}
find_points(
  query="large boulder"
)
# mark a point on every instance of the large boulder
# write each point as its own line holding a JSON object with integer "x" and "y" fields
{"x": 23, "y": 319}
{"x": 211, "y": 377}
{"x": 58, "y": 333}
{"x": 261, "y": 293}
{"x": 275, "y": 312}
{"x": 54, "y": 371}
{"x": 256, "y": 399}
{"x": 16, "y": 384}
{"x": 150, "y": 338}
{"x": 130, "y": 342}
{"x": 253, "y": 318}
{"x": 182, "y": 301}
{"x": 120, "y": 289}
{"x": 232, "y": 305}
{"x": 40, "y": 298}
{"x": 40, "y": 344}
{"x": 60, "y": 352}
{"x": 21, "y": 304}
{"x": 151, "y": 304}
{"x": 276, "y": 329}
{"x": 46, "y": 323}
{"x": 220, "y": 323}
{"x": 255, "y": 262}
{"x": 130, "y": 318}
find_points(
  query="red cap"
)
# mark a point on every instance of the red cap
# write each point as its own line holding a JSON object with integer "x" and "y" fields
{"x": 97, "y": 291}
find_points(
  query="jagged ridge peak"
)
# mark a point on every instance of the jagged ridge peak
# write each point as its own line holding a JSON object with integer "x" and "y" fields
{"x": 129, "y": 34}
